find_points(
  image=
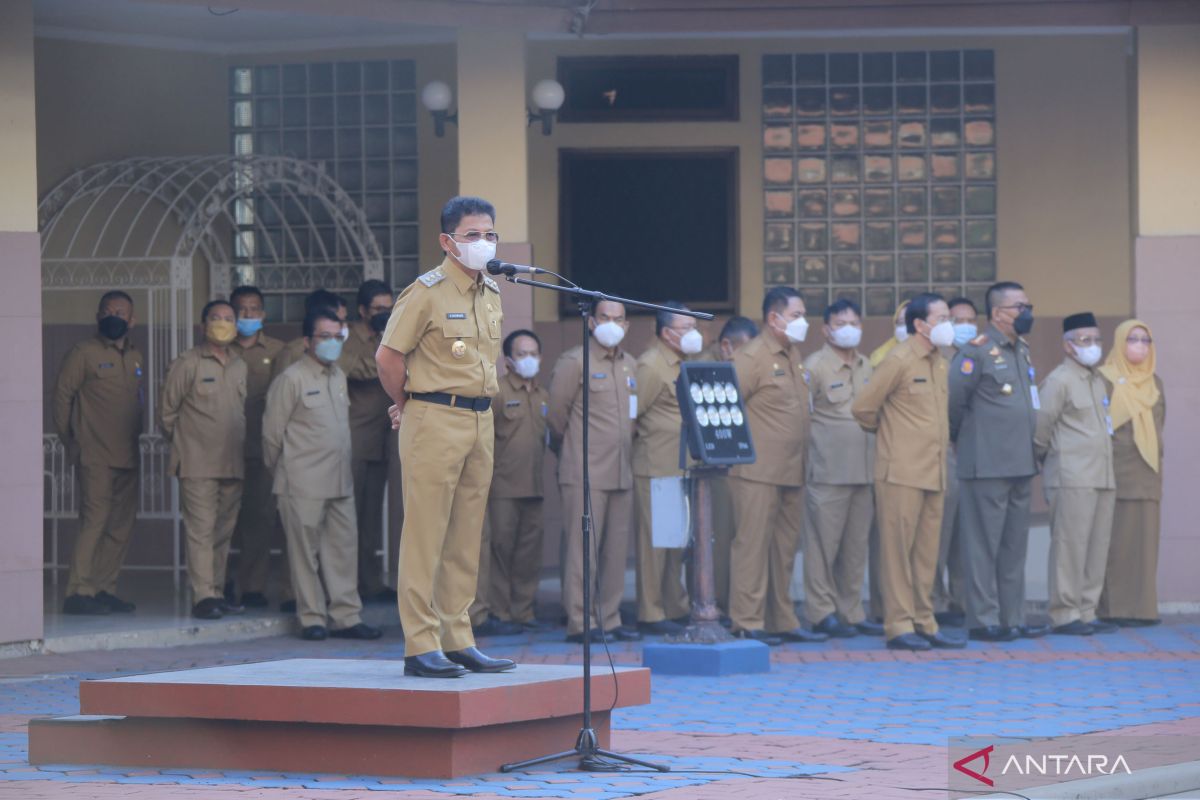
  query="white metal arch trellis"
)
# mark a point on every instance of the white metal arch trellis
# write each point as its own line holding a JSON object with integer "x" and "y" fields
{"x": 147, "y": 224}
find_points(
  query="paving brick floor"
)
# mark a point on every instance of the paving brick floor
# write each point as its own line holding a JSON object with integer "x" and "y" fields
{"x": 842, "y": 720}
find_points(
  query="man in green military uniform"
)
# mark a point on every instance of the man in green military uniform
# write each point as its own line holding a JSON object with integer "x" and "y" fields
{"x": 993, "y": 405}
{"x": 437, "y": 362}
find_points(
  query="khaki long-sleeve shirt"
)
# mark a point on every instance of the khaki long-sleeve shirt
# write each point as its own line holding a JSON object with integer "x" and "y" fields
{"x": 203, "y": 413}
{"x": 98, "y": 403}
{"x": 370, "y": 428}
{"x": 306, "y": 432}
{"x": 260, "y": 363}
{"x": 772, "y": 382}
{"x": 612, "y": 388}
{"x": 906, "y": 403}
{"x": 447, "y": 326}
{"x": 519, "y": 418}
{"x": 1073, "y": 439}
{"x": 840, "y": 452}
{"x": 656, "y": 444}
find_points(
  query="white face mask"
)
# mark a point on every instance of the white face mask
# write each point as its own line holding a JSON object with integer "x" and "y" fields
{"x": 475, "y": 255}
{"x": 846, "y": 337}
{"x": 691, "y": 342}
{"x": 901, "y": 333}
{"x": 1088, "y": 356}
{"x": 609, "y": 334}
{"x": 942, "y": 334}
{"x": 526, "y": 366}
{"x": 797, "y": 329}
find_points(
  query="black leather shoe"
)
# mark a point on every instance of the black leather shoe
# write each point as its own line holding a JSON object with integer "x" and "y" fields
{"x": 86, "y": 605}
{"x": 228, "y": 607}
{"x": 494, "y": 626}
{"x": 1099, "y": 626}
{"x": 1076, "y": 628}
{"x": 1031, "y": 631}
{"x": 314, "y": 633}
{"x": 577, "y": 638}
{"x": 664, "y": 627}
{"x": 683, "y": 621}
{"x": 951, "y": 619}
{"x": 472, "y": 659}
{"x": 943, "y": 641}
{"x": 432, "y": 665}
{"x": 115, "y": 604}
{"x": 801, "y": 635}
{"x": 994, "y": 633}
{"x": 769, "y": 639}
{"x": 359, "y": 631}
{"x": 288, "y": 606}
{"x": 254, "y": 600}
{"x": 869, "y": 628}
{"x": 208, "y": 608}
{"x": 908, "y": 641}
{"x": 624, "y": 633}
{"x": 1133, "y": 622}
{"x": 832, "y": 626}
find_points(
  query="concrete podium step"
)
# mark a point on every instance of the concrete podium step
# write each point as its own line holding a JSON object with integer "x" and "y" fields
{"x": 361, "y": 717}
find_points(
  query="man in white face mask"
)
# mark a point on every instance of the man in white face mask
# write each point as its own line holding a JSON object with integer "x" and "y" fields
{"x": 839, "y": 501}
{"x": 662, "y": 600}
{"x": 613, "y": 405}
{"x": 510, "y": 559}
{"x": 768, "y": 495}
{"x": 1073, "y": 440}
{"x": 905, "y": 402}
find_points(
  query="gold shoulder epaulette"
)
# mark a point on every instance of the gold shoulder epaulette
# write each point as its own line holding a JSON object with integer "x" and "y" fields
{"x": 433, "y": 277}
{"x": 978, "y": 340}
{"x": 491, "y": 284}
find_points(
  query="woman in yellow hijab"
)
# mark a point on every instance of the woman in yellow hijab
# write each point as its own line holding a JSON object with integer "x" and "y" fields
{"x": 899, "y": 335}
{"x": 1138, "y": 408}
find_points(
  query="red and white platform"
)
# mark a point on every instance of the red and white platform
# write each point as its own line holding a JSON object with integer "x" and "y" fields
{"x": 358, "y": 717}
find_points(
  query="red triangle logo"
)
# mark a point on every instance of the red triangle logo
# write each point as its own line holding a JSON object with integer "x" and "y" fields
{"x": 961, "y": 765}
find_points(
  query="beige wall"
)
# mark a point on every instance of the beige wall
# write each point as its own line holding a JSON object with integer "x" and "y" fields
{"x": 1062, "y": 120}
{"x": 18, "y": 170}
{"x": 1168, "y": 125}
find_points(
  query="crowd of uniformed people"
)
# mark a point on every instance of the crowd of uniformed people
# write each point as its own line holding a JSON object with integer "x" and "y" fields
{"x": 912, "y": 465}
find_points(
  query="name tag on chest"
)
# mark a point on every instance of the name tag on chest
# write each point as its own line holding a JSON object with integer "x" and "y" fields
{"x": 512, "y": 404}
{"x": 456, "y": 315}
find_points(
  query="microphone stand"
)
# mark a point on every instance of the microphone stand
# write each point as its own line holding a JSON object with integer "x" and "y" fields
{"x": 587, "y": 745}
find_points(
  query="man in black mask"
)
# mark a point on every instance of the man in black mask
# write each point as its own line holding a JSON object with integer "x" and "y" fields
{"x": 98, "y": 414}
{"x": 993, "y": 411}
{"x": 374, "y": 452}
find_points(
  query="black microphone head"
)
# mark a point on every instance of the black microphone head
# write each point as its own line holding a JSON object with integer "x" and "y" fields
{"x": 495, "y": 267}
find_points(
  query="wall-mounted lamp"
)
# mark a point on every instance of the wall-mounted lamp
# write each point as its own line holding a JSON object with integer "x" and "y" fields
{"x": 436, "y": 96}
{"x": 547, "y": 96}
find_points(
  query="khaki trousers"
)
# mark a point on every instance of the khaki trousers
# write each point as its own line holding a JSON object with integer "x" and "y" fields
{"x": 1080, "y": 528}
{"x": 660, "y": 589}
{"x": 209, "y": 507}
{"x": 447, "y": 458}
{"x": 322, "y": 545}
{"x": 874, "y": 570}
{"x": 612, "y": 523}
{"x": 910, "y": 524}
{"x": 372, "y": 481}
{"x": 724, "y": 527}
{"x": 107, "y": 508}
{"x": 1131, "y": 578}
{"x": 481, "y": 606}
{"x": 948, "y": 580}
{"x": 258, "y": 529}
{"x": 769, "y": 522}
{"x": 516, "y": 556}
{"x": 993, "y": 516}
{"x": 838, "y": 521}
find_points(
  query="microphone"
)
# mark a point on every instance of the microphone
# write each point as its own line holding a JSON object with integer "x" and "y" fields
{"x": 498, "y": 267}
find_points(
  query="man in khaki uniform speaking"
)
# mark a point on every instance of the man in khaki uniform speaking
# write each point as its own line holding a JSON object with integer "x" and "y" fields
{"x": 612, "y": 408}
{"x": 98, "y": 414}
{"x": 256, "y": 519}
{"x": 294, "y": 350}
{"x": 839, "y": 502}
{"x": 374, "y": 454}
{"x": 203, "y": 413}
{"x": 306, "y": 444}
{"x": 906, "y": 402}
{"x": 768, "y": 495}
{"x": 510, "y": 557}
{"x": 438, "y": 364}
{"x": 662, "y": 600}
{"x": 1073, "y": 440}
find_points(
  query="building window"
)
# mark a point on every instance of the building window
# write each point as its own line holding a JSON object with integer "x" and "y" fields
{"x": 879, "y": 175}
{"x": 355, "y": 119}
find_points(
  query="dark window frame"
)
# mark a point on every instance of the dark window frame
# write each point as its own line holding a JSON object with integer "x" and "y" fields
{"x": 571, "y": 66}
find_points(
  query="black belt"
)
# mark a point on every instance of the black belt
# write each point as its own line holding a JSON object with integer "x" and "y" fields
{"x": 479, "y": 404}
